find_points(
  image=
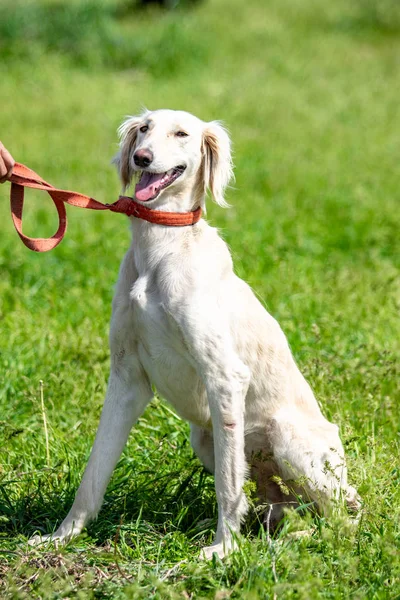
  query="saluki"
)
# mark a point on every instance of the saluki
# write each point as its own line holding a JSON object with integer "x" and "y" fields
{"x": 184, "y": 322}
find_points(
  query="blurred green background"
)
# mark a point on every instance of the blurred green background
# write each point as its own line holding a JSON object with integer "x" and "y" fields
{"x": 309, "y": 90}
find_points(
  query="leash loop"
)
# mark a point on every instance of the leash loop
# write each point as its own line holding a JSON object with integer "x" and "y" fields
{"x": 23, "y": 177}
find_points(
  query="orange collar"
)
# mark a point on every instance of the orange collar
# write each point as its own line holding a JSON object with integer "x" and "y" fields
{"x": 22, "y": 177}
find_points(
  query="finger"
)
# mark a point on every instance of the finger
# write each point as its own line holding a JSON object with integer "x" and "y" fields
{"x": 6, "y": 164}
{"x": 8, "y": 159}
{"x": 3, "y": 171}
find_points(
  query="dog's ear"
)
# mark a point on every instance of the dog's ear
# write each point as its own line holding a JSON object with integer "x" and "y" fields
{"x": 218, "y": 167}
{"x": 127, "y": 135}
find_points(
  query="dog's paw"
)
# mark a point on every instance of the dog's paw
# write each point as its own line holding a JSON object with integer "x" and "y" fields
{"x": 66, "y": 531}
{"x": 353, "y": 500}
{"x": 219, "y": 549}
{"x": 39, "y": 540}
{"x": 57, "y": 538}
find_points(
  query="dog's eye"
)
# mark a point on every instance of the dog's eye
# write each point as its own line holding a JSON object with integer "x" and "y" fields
{"x": 144, "y": 128}
{"x": 181, "y": 134}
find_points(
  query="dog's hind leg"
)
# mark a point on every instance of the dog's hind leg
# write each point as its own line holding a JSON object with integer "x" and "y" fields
{"x": 310, "y": 457}
{"x": 128, "y": 393}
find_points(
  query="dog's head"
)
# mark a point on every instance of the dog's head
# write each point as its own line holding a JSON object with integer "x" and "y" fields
{"x": 174, "y": 154}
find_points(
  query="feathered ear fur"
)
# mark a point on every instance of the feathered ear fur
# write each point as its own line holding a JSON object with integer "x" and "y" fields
{"x": 127, "y": 135}
{"x": 218, "y": 167}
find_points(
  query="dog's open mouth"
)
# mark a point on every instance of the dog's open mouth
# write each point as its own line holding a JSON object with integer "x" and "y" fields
{"x": 150, "y": 184}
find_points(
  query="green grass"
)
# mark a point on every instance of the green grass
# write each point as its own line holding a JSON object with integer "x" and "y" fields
{"x": 309, "y": 90}
{"x": 93, "y": 34}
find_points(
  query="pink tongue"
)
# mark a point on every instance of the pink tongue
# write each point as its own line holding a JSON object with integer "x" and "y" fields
{"x": 148, "y": 185}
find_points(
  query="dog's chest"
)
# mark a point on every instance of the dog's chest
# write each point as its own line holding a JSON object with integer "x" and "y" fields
{"x": 153, "y": 326}
{"x": 164, "y": 355}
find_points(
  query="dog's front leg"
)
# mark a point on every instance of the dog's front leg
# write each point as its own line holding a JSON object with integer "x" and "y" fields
{"x": 226, "y": 379}
{"x": 128, "y": 393}
{"x": 226, "y": 392}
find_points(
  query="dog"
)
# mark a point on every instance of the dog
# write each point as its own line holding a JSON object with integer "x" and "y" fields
{"x": 184, "y": 322}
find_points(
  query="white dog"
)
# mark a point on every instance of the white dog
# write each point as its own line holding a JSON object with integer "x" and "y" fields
{"x": 185, "y": 322}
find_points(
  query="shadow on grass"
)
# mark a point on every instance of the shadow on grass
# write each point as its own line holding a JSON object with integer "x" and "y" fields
{"x": 140, "y": 501}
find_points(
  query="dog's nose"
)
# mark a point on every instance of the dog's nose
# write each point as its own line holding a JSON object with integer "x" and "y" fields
{"x": 143, "y": 158}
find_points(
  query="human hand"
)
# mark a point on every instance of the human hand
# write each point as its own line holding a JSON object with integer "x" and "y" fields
{"x": 6, "y": 164}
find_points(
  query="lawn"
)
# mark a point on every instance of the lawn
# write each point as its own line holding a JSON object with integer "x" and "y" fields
{"x": 310, "y": 93}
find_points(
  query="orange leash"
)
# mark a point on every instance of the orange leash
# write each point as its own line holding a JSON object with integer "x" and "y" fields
{"x": 22, "y": 177}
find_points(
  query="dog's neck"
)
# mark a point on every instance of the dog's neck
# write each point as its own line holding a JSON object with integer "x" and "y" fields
{"x": 151, "y": 242}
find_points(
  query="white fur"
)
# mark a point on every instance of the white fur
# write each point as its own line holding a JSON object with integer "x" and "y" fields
{"x": 183, "y": 321}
